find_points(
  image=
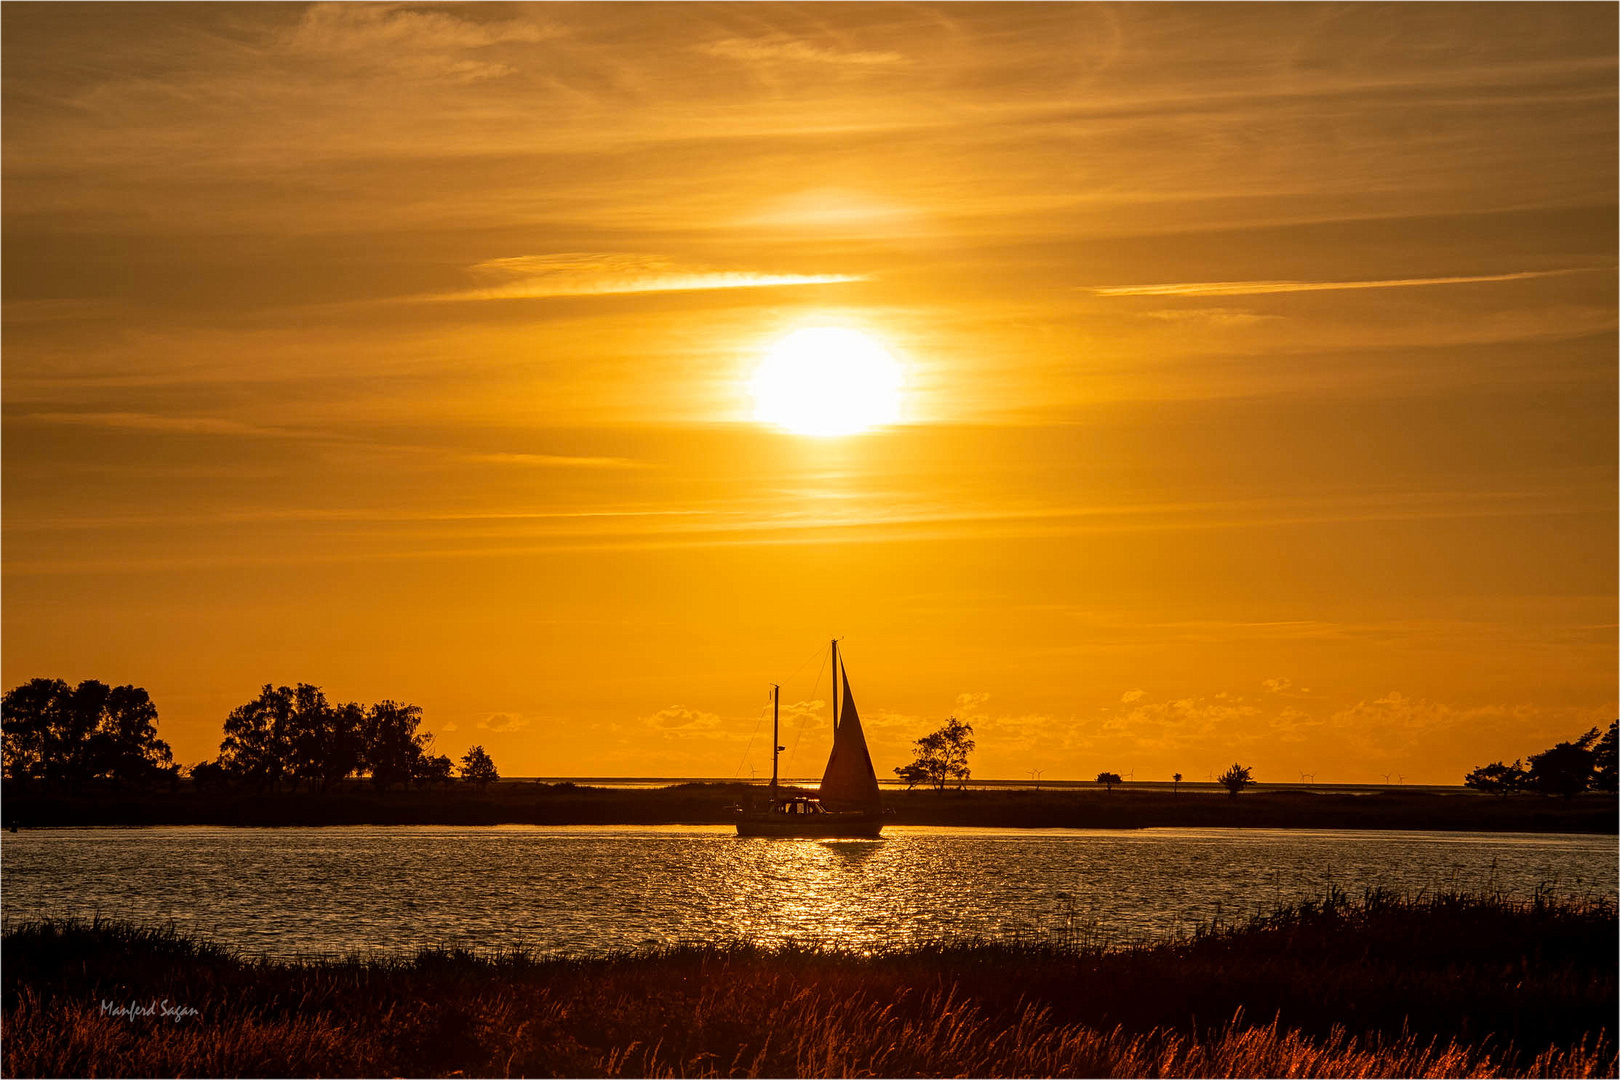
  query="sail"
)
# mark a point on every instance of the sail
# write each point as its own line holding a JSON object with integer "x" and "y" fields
{"x": 849, "y": 782}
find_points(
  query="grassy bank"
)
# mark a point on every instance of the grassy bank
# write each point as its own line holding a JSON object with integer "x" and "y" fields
{"x": 532, "y": 803}
{"x": 1449, "y": 986}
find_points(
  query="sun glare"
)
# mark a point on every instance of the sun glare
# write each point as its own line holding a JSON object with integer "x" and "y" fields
{"x": 827, "y": 381}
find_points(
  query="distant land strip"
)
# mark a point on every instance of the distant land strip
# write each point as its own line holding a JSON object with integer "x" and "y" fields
{"x": 534, "y": 802}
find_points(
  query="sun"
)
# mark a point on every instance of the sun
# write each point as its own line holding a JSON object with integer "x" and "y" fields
{"x": 827, "y": 381}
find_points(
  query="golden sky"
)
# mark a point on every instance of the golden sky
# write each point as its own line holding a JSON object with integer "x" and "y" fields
{"x": 1258, "y": 368}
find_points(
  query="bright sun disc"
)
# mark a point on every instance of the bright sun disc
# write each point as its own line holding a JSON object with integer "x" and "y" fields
{"x": 825, "y": 381}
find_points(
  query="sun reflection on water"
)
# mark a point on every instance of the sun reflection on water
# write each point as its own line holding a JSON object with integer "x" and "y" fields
{"x": 588, "y": 889}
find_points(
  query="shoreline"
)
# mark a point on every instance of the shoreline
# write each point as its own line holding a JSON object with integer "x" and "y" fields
{"x": 539, "y": 803}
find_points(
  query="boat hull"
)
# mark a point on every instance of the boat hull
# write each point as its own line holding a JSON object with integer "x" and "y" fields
{"x": 811, "y": 826}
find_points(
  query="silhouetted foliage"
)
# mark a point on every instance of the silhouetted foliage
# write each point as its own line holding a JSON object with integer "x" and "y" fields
{"x": 207, "y": 775}
{"x": 434, "y": 769}
{"x": 65, "y": 735}
{"x": 1603, "y": 759}
{"x": 1236, "y": 779}
{"x": 1175, "y": 783}
{"x": 393, "y": 746}
{"x": 1109, "y": 779}
{"x": 294, "y": 734}
{"x": 1567, "y": 769}
{"x": 1498, "y": 779}
{"x": 913, "y": 774}
{"x": 477, "y": 767}
{"x": 942, "y": 756}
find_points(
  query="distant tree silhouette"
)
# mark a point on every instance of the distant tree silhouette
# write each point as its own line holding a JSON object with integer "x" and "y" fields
{"x": 913, "y": 774}
{"x": 1109, "y": 779}
{"x": 478, "y": 768}
{"x": 393, "y": 747}
{"x": 1603, "y": 759}
{"x": 434, "y": 769}
{"x": 66, "y": 735}
{"x": 343, "y": 746}
{"x": 256, "y": 748}
{"x": 207, "y": 776}
{"x": 1175, "y": 783}
{"x": 1498, "y": 779}
{"x": 1567, "y": 769}
{"x": 942, "y": 756}
{"x": 1236, "y": 779}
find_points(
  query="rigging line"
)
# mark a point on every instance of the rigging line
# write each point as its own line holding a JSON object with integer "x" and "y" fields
{"x": 807, "y": 660}
{"x": 824, "y": 654}
{"x": 750, "y": 745}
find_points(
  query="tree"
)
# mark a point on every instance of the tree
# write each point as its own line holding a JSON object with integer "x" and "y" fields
{"x": 433, "y": 769}
{"x": 1566, "y": 769}
{"x": 127, "y": 749}
{"x": 27, "y": 727}
{"x": 942, "y": 756}
{"x": 392, "y": 745}
{"x": 1109, "y": 779}
{"x": 1498, "y": 779}
{"x": 913, "y": 774}
{"x": 1236, "y": 779}
{"x": 1175, "y": 783}
{"x": 343, "y": 746}
{"x": 1603, "y": 759}
{"x": 207, "y": 775}
{"x": 61, "y": 734}
{"x": 478, "y": 768}
{"x": 257, "y": 747}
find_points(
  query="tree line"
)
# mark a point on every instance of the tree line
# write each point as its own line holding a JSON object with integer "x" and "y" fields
{"x": 1568, "y": 768}
{"x": 64, "y": 736}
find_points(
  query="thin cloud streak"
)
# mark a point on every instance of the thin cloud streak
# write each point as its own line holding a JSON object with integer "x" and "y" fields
{"x": 1257, "y": 288}
{"x": 613, "y": 273}
{"x": 226, "y": 428}
{"x": 748, "y": 530}
{"x": 777, "y": 49}
{"x": 537, "y": 290}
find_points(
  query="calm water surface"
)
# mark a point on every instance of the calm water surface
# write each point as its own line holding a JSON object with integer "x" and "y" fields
{"x": 585, "y": 889}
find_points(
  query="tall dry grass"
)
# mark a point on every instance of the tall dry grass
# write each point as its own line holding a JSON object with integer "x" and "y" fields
{"x": 1380, "y": 987}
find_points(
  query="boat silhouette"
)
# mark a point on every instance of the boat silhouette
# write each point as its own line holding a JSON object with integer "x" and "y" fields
{"x": 847, "y": 804}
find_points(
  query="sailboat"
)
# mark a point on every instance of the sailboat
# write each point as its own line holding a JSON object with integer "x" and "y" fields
{"x": 847, "y": 804}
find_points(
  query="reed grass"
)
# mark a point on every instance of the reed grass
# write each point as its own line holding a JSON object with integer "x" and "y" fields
{"x": 1379, "y": 986}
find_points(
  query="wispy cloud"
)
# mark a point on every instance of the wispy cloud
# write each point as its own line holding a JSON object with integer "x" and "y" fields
{"x": 552, "y": 461}
{"x": 779, "y": 48}
{"x": 224, "y": 427}
{"x": 610, "y": 273}
{"x": 431, "y": 45}
{"x": 1256, "y": 288}
{"x": 184, "y": 425}
{"x": 1209, "y": 316}
{"x": 500, "y": 722}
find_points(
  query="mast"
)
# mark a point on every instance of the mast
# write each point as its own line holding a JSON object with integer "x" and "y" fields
{"x": 835, "y": 685}
{"x": 776, "y": 738}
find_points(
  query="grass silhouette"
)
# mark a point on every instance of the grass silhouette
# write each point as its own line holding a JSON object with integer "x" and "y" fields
{"x": 1447, "y": 985}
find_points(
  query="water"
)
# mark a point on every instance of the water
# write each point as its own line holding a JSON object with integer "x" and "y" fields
{"x": 587, "y": 889}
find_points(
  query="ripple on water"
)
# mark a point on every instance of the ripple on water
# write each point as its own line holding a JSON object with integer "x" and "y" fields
{"x": 576, "y": 889}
